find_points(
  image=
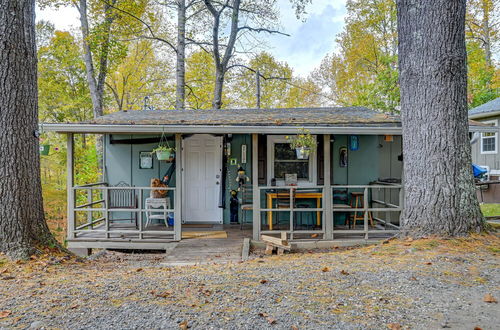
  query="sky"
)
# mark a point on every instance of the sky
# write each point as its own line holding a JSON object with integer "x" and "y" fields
{"x": 309, "y": 42}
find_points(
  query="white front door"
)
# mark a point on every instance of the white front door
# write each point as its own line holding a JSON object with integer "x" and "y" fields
{"x": 202, "y": 174}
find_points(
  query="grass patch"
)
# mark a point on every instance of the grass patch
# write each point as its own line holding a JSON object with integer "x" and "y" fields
{"x": 490, "y": 210}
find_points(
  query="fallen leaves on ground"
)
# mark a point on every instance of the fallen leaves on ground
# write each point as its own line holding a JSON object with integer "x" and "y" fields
{"x": 4, "y": 314}
{"x": 489, "y": 299}
{"x": 394, "y": 326}
{"x": 325, "y": 269}
{"x": 263, "y": 281}
{"x": 344, "y": 272}
{"x": 183, "y": 325}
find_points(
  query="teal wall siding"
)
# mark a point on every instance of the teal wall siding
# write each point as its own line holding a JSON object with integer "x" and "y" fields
{"x": 374, "y": 159}
{"x": 362, "y": 164}
{"x": 122, "y": 162}
{"x": 237, "y": 141}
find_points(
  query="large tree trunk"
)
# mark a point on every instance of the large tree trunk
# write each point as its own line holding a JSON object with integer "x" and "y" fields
{"x": 181, "y": 53}
{"x": 22, "y": 223}
{"x": 440, "y": 197}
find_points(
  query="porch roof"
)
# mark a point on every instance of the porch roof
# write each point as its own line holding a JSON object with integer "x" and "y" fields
{"x": 331, "y": 120}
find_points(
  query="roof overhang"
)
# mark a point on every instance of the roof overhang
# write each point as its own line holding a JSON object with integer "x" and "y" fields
{"x": 225, "y": 129}
{"x": 485, "y": 115}
{"x": 218, "y": 129}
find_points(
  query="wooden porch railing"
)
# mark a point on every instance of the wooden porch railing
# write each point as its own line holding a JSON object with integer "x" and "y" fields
{"x": 92, "y": 200}
{"x": 325, "y": 211}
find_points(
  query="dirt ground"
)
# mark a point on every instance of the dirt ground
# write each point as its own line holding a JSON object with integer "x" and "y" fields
{"x": 429, "y": 283}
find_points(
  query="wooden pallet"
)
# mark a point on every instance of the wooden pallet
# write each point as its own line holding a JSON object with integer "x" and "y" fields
{"x": 274, "y": 243}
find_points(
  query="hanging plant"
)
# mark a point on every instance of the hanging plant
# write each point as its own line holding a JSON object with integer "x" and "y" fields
{"x": 164, "y": 151}
{"x": 303, "y": 143}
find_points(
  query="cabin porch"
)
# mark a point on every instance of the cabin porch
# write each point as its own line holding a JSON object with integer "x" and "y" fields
{"x": 328, "y": 212}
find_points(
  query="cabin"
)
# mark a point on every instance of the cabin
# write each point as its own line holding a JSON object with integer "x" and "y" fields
{"x": 235, "y": 170}
{"x": 485, "y": 151}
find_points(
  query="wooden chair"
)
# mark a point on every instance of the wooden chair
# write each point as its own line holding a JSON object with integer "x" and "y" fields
{"x": 123, "y": 199}
{"x": 246, "y": 202}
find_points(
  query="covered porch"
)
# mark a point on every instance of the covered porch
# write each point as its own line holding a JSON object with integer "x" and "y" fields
{"x": 101, "y": 215}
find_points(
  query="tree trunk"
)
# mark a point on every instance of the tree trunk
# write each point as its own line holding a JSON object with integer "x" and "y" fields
{"x": 87, "y": 57}
{"x": 181, "y": 53}
{"x": 440, "y": 197}
{"x": 219, "y": 85}
{"x": 222, "y": 62}
{"x": 22, "y": 224}
{"x": 487, "y": 32}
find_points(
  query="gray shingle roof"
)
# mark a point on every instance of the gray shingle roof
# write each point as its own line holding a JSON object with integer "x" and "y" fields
{"x": 486, "y": 109}
{"x": 339, "y": 116}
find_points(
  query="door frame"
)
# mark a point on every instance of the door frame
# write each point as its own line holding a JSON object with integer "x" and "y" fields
{"x": 183, "y": 197}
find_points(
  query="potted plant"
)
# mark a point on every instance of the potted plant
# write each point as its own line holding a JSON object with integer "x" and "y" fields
{"x": 303, "y": 143}
{"x": 164, "y": 152}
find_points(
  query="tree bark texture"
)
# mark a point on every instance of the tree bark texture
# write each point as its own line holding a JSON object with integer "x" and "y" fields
{"x": 22, "y": 223}
{"x": 181, "y": 54}
{"x": 440, "y": 197}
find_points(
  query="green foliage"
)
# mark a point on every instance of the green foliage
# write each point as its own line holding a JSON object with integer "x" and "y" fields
{"x": 63, "y": 91}
{"x": 490, "y": 210}
{"x": 200, "y": 73}
{"x": 141, "y": 73}
{"x": 364, "y": 72}
{"x": 303, "y": 139}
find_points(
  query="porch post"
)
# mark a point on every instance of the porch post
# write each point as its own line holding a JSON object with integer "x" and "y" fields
{"x": 69, "y": 185}
{"x": 327, "y": 190}
{"x": 255, "y": 187}
{"x": 178, "y": 188}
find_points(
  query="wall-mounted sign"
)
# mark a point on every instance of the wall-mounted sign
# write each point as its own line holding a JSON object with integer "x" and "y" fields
{"x": 243, "y": 153}
{"x": 145, "y": 160}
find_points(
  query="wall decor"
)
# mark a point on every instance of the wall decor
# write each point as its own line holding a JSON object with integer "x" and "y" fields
{"x": 243, "y": 153}
{"x": 353, "y": 142}
{"x": 343, "y": 157}
{"x": 145, "y": 160}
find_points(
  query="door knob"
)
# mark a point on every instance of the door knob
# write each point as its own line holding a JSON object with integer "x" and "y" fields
{"x": 217, "y": 182}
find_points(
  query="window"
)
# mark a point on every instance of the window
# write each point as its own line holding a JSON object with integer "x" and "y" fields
{"x": 283, "y": 160}
{"x": 489, "y": 141}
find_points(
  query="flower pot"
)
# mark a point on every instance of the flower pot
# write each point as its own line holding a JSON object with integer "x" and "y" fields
{"x": 44, "y": 149}
{"x": 303, "y": 152}
{"x": 163, "y": 155}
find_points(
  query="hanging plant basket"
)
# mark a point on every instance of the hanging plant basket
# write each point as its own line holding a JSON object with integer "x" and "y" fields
{"x": 164, "y": 151}
{"x": 163, "y": 154}
{"x": 44, "y": 149}
{"x": 303, "y": 152}
{"x": 303, "y": 143}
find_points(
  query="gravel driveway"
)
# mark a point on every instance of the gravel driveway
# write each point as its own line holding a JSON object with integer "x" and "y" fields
{"x": 425, "y": 284}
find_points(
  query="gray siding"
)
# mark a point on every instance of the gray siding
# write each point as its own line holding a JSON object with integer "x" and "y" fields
{"x": 491, "y": 160}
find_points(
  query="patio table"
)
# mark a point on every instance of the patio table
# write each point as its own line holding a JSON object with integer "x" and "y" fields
{"x": 299, "y": 195}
